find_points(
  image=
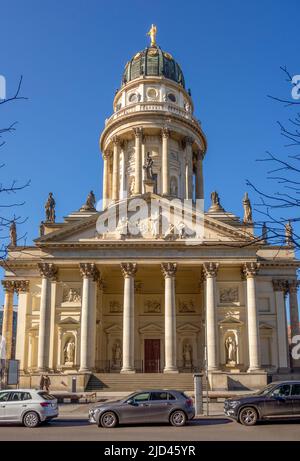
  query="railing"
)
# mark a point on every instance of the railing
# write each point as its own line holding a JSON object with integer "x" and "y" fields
{"x": 154, "y": 106}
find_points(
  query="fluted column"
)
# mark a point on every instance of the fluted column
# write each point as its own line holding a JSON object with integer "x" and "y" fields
{"x": 90, "y": 275}
{"x": 48, "y": 272}
{"x": 165, "y": 161}
{"x": 22, "y": 289}
{"x": 199, "y": 177}
{"x": 106, "y": 157}
{"x": 128, "y": 271}
{"x": 115, "y": 179}
{"x": 188, "y": 168}
{"x": 280, "y": 287}
{"x": 294, "y": 312}
{"x": 8, "y": 313}
{"x": 250, "y": 271}
{"x": 169, "y": 272}
{"x": 138, "y": 133}
{"x": 210, "y": 270}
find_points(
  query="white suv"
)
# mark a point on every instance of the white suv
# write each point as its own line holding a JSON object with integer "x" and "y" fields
{"x": 27, "y": 406}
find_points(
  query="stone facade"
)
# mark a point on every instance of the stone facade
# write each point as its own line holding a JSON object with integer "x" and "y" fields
{"x": 117, "y": 302}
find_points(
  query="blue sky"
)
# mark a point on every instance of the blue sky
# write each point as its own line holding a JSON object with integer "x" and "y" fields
{"x": 71, "y": 54}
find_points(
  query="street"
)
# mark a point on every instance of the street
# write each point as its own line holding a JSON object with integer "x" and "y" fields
{"x": 215, "y": 428}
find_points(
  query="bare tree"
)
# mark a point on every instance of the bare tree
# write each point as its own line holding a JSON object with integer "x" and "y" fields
{"x": 280, "y": 210}
{"x": 9, "y": 218}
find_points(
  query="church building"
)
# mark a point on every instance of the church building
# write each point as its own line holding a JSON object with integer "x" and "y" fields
{"x": 145, "y": 285}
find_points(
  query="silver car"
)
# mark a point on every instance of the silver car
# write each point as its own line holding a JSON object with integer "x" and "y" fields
{"x": 27, "y": 406}
{"x": 150, "y": 406}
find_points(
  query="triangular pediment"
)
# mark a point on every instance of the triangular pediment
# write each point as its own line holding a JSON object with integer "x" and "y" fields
{"x": 188, "y": 327}
{"x": 265, "y": 326}
{"x": 230, "y": 320}
{"x": 85, "y": 229}
{"x": 68, "y": 321}
{"x": 151, "y": 328}
{"x": 115, "y": 328}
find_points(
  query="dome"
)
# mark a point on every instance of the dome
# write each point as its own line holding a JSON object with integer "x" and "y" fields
{"x": 153, "y": 61}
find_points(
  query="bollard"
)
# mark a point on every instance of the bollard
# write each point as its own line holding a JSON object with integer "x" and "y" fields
{"x": 198, "y": 393}
{"x": 74, "y": 382}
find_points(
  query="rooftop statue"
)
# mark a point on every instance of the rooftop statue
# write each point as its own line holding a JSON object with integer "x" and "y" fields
{"x": 90, "y": 203}
{"x": 13, "y": 234}
{"x": 152, "y": 33}
{"x": 247, "y": 209}
{"x": 50, "y": 208}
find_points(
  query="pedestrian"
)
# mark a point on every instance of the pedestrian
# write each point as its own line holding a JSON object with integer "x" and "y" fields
{"x": 47, "y": 383}
{"x": 42, "y": 382}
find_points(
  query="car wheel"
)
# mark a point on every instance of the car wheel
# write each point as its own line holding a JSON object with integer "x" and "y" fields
{"x": 108, "y": 419}
{"x": 248, "y": 416}
{"x": 31, "y": 419}
{"x": 178, "y": 418}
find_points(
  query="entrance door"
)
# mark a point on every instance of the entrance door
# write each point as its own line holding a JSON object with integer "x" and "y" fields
{"x": 152, "y": 355}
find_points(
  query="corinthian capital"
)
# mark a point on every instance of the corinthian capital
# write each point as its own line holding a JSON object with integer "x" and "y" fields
{"x": 106, "y": 155}
{"x": 138, "y": 131}
{"x": 210, "y": 269}
{"x": 250, "y": 269}
{"x": 22, "y": 286}
{"x": 116, "y": 140}
{"x": 48, "y": 270}
{"x": 89, "y": 270}
{"x": 168, "y": 269}
{"x": 280, "y": 285}
{"x": 293, "y": 285}
{"x": 189, "y": 140}
{"x": 128, "y": 269}
{"x": 8, "y": 285}
{"x": 165, "y": 132}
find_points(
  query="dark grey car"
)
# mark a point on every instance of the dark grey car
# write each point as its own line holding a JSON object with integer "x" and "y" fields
{"x": 279, "y": 400}
{"x": 149, "y": 406}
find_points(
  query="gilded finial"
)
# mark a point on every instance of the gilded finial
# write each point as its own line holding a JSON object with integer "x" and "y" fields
{"x": 152, "y": 33}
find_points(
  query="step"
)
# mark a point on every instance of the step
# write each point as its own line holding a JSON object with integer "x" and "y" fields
{"x": 123, "y": 382}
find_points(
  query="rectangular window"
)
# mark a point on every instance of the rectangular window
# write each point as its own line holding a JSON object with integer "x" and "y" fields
{"x": 296, "y": 389}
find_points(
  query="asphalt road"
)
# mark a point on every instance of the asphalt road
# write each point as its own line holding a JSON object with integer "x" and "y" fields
{"x": 208, "y": 429}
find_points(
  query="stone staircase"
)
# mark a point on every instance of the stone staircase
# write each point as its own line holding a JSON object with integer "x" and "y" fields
{"x": 114, "y": 382}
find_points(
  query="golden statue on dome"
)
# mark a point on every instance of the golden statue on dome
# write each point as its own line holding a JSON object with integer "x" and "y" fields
{"x": 152, "y": 33}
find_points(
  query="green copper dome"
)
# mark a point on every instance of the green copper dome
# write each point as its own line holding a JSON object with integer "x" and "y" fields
{"x": 153, "y": 61}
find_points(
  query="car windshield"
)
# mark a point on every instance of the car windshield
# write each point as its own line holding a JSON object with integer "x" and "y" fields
{"x": 266, "y": 390}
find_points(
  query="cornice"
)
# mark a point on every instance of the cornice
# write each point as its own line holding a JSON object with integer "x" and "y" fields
{"x": 141, "y": 117}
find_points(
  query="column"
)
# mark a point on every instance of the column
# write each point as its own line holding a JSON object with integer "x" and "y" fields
{"x": 106, "y": 157}
{"x": 115, "y": 179}
{"x": 8, "y": 313}
{"x": 250, "y": 271}
{"x": 128, "y": 271}
{"x": 165, "y": 161}
{"x": 294, "y": 313}
{"x": 188, "y": 168}
{"x": 169, "y": 272}
{"x": 199, "y": 177}
{"x": 138, "y": 133}
{"x": 280, "y": 287}
{"x": 90, "y": 275}
{"x": 123, "y": 188}
{"x": 48, "y": 272}
{"x": 210, "y": 270}
{"x": 22, "y": 289}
